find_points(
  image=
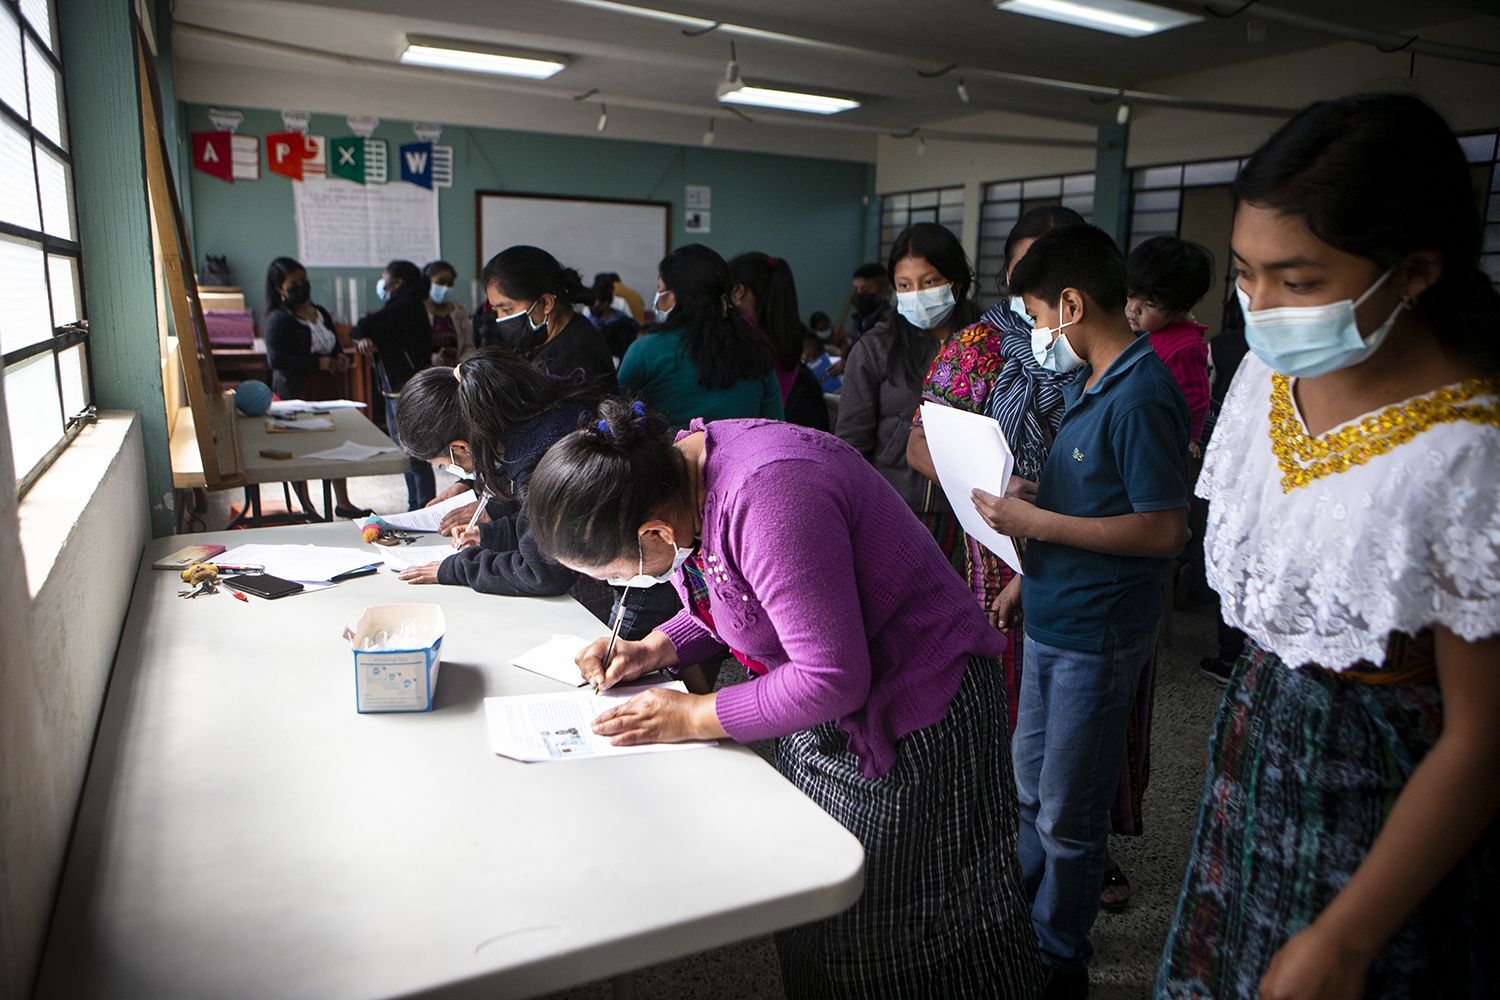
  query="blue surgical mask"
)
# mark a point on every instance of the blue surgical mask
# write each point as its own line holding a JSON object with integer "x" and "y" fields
{"x": 1018, "y": 306}
{"x": 381, "y": 292}
{"x": 661, "y": 314}
{"x": 1055, "y": 355}
{"x": 1308, "y": 341}
{"x": 926, "y": 308}
{"x": 440, "y": 293}
{"x": 644, "y": 579}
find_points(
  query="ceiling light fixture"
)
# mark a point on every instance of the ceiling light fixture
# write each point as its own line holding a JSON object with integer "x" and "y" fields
{"x": 476, "y": 57}
{"x": 963, "y": 91}
{"x": 734, "y": 90}
{"x": 603, "y": 122}
{"x": 1131, "y": 18}
{"x": 709, "y": 136}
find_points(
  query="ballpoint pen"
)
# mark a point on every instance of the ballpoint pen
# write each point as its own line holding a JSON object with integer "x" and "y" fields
{"x": 609, "y": 651}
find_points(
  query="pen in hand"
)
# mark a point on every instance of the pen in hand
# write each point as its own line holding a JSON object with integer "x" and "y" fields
{"x": 484, "y": 498}
{"x": 614, "y": 636}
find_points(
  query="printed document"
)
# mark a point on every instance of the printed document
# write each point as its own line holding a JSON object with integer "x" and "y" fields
{"x": 970, "y": 453}
{"x": 545, "y": 727}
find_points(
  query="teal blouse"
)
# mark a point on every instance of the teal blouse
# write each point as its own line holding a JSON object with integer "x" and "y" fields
{"x": 658, "y": 368}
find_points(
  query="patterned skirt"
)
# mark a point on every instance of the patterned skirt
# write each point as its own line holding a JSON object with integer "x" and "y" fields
{"x": 986, "y": 575}
{"x": 1303, "y": 768}
{"x": 943, "y": 914}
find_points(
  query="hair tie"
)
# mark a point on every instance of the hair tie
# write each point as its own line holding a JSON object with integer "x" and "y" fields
{"x": 603, "y": 427}
{"x": 639, "y": 409}
{"x": 457, "y": 375}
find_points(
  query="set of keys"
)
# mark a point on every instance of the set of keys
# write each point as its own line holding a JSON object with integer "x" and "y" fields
{"x": 209, "y": 586}
{"x": 203, "y": 578}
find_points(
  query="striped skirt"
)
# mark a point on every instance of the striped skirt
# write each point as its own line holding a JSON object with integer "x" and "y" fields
{"x": 943, "y": 913}
{"x": 1303, "y": 769}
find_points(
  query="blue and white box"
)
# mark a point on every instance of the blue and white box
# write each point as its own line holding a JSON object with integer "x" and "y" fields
{"x": 397, "y": 680}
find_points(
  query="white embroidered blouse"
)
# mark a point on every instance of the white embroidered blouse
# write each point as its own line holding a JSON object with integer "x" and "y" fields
{"x": 1321, "y": 547}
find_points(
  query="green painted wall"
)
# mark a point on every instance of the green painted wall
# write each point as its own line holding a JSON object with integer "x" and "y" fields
{"x": 104, "y": 124}
{"x": 809, "y": 211}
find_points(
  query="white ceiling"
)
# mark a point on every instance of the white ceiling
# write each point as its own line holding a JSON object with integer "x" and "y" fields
{"x": 663, "y": 82}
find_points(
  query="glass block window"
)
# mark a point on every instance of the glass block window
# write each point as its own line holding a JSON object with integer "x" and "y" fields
{"x": 1003, "y": 202}
{"x": 899, "y": 210}
{"x": 43, "y": 330}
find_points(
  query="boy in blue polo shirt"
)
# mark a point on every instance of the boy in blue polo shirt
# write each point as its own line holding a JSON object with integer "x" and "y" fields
{"x": 1110, "y": 515}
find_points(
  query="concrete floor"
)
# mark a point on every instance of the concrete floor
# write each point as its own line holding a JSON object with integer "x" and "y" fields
{"x": 1127, "y": 945}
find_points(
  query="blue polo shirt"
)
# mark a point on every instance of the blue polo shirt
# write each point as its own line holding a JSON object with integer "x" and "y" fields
{"x": 1121, "y": 448}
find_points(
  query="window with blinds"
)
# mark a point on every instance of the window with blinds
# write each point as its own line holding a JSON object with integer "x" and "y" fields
{"x": 1004, "y": 203}
{"x": 1156, "y": 194}
{"x": 1484, "y": 157}
{"x": 43, "y": 332}
{"x": 899, "y": 210}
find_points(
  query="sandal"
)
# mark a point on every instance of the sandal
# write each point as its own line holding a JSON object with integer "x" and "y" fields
{"x": 351, "y": 512}
{"x": 1114, "y": 878}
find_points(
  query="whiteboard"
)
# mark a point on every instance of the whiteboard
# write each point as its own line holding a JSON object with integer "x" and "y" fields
{"x": 588, "y": 235}
{"x": 344, "y": 224}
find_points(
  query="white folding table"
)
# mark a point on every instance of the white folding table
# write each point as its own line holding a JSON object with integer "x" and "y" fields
{"x": 244, "y": 833}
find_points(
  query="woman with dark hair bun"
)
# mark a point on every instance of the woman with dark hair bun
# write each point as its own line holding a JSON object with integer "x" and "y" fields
{"x": 701, "y": 359}
{"x": 765, "y": 292}
{"x": 400, "y": 339}
{"x": 533, "y": 298}
{"x": 870, "y": 667}
{"x": 1347, "y": 844}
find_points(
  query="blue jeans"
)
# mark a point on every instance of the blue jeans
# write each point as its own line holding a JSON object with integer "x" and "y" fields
{"x": 1068, "y": 748}
{"x": 421, "y": 482}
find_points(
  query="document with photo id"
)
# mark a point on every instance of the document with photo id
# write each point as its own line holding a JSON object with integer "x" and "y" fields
{"x": 545, "y": 727}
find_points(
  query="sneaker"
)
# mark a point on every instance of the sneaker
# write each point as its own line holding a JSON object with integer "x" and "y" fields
{"x": 1066, "y": 982}
{"x": 1215, "y": 669}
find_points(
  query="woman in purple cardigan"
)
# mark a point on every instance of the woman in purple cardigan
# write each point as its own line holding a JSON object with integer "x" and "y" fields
{"x": 870, "y": 665}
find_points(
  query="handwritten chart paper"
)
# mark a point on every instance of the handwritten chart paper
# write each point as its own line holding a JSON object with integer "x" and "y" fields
{"x": 343, "y": 224}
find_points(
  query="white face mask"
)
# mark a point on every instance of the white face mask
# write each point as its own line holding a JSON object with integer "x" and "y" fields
{"x": 824, "y": 334}
{"x": 661, "y": 314}
{"x": 381, "y": 292}
{"x": 642, "y": 578}
{"x": 454, "y": 469}
{"x": 1018, "y": 306}
{"x": 1055, "y": 355}
{"x": 926, "y": 308}
{"x": 1308, "y": 341}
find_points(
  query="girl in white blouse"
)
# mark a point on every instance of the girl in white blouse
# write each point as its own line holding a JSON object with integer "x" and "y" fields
{"x": 1347, "y": 842}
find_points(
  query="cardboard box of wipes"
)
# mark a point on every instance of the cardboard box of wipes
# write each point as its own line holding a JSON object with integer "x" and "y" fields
{"x": 400, "y": 675}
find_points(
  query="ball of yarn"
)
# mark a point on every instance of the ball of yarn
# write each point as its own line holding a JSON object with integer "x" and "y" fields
{"x": 253, "y": 398}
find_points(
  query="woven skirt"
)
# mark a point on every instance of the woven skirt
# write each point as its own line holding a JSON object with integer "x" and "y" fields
{"x": 1303, "y": 770}
{"x": 943, "y": 914}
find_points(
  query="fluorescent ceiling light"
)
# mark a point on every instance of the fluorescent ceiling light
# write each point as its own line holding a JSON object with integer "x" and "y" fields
{"x": 1120, "y": 17}
{"x": 476, "y": 57}
{"x": 739, "y": 92}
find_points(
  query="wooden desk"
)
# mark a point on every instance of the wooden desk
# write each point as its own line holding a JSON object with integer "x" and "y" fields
{"x": 244, "y": 833}
{"x": 349, "y": 425}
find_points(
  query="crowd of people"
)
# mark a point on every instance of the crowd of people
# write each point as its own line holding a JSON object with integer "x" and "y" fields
{"x": 981, "y": 730}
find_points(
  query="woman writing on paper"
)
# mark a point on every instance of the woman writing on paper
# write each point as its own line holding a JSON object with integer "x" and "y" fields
{"x": 306, "y": 352}
{"x": 871, "y": 667}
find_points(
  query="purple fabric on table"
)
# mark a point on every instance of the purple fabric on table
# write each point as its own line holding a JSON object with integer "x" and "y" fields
{"x": 817, "y": 568}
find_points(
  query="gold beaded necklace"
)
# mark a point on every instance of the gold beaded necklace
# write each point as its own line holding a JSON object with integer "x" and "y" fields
{"x": 1304, "y": 459}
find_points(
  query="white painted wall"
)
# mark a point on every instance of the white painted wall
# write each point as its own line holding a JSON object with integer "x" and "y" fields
{"x": 79, "y": 534}
{"x": 1467, "y": 94}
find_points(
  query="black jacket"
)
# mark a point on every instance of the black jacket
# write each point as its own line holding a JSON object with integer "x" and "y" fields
{"x": 507, "y": 561}
{"x": 403, "y": 336}
{"x": 579, "y": 346}
{"x": 289, "y": 352}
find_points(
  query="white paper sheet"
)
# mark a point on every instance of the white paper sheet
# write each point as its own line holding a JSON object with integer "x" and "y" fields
{"x": 545, "y": 727}
{"x": 428, "y": 518}
{"x": 554, "y": 658}
{"x": 400, "y": 557}
{"x": 349, "y": 451}
{"x": 303, "y": 563}
{"x": 970, "y": 453}
{"x": 286, "y": 407}
{"x": 294, "y": 423}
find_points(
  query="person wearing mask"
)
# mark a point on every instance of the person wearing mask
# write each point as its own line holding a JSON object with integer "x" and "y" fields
{"x": 701, "y": 359}
{"x": 618, "y": 329}
{"x": 869, "y": 666}
{"x": 533, "y": 295}
{"x": 883, "y": 376}
{"x": 492, "y": 416}
{"x": 1347, "y": 843}
{"x": 452, "y": 336}
{"x": 306, "y": 352}
{"x": 869, "y": 300}
{"x": 399, "y": 337}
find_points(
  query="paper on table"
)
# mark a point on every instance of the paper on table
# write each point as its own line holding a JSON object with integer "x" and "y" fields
{"x": 542, "y": 727}
{"x": 291, "y": 423}
{"x": 303, "y": 563}
{"x": 399, "y": 557}
{"x": 554, "y": 659}
{"x": 427, "y": 518}
{"x": 349, "y": 451}
{"x": 284, "y": 407}
{"x": 970, "y": 453}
